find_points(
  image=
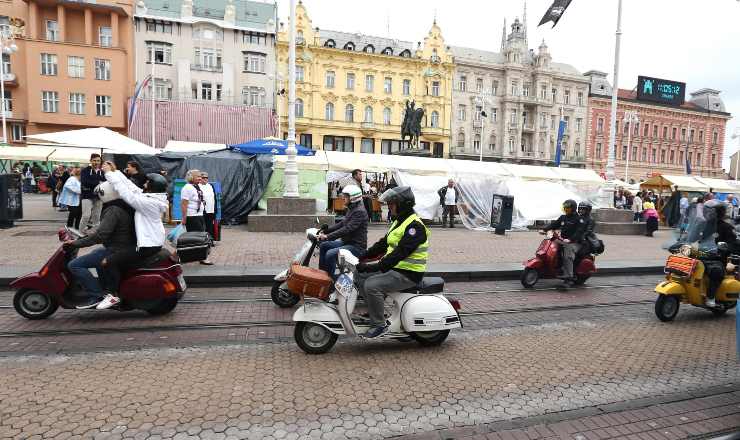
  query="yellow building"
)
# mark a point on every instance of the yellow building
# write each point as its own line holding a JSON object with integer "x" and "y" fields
{"x": 352, "y": 89}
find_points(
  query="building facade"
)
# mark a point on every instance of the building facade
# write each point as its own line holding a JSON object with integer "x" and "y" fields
{"x": 663, "y": 137}
{"x": 352, "y": 89}
{"x": 210, "y": 51}
{"x": 73, "y": 67}
{"x": 507, "y": 105}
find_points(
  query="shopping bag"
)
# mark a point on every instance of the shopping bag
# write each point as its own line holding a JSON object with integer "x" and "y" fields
{"x": 175, "y": 234}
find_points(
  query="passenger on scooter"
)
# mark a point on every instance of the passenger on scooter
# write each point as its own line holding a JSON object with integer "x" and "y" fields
{"x": 405, "y": 250}
{"x": 572, "y": 228}
{"x": 150, "y": 233}
{"x": 116, "y": 233}
{"x": 350, "y": 233}
{"x": 589, "y": 236}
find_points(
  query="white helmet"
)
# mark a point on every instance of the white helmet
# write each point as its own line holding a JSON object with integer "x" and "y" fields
{"x": 353, "y": 192}
{"x": 106, "y": 193}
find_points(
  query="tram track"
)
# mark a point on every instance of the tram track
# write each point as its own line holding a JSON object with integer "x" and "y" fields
{"x": 285, "y": 323}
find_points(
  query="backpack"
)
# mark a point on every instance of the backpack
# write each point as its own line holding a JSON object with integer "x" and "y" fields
{"x": 596, "y": 245}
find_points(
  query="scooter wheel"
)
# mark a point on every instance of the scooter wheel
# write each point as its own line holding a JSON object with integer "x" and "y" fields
{"x": 666, "y": 307}
{"x": 430, "y": 339}
{"x": 530, "y": 277}
{"x": 314, "y": 338}
{"x": 34, "y": 304}
{"x": 581, "y": 279}
{"x": 163, "y": 308}
{"x": 282, "y": 296}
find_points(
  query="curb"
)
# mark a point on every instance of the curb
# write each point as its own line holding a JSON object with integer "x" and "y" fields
{"x": 235, "y": 276}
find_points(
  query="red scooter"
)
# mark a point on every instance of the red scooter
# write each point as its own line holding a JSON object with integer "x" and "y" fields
{"x": 546, "y": 263}
{"x": 155, "y": 285}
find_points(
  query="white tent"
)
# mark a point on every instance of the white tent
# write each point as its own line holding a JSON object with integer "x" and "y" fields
{"x": 32, "y": 152}
{"x": 719, "y": 185}
{"x": 93, "y": 138}
{"x": 191, "y": 147}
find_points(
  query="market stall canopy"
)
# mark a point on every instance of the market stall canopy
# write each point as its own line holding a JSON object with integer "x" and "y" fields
{"x": 720, "y": 185}
{"x": 32, "y": 153}
{"x": 665, "y": 182}
{"x": 94, "y": 138}
{"x": 270, "y": 145}
{"x": 191, "y": 147}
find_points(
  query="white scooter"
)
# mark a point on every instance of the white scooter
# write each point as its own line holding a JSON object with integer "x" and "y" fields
{"x": 418, "y": 313}
{"x": 280, "y": 294}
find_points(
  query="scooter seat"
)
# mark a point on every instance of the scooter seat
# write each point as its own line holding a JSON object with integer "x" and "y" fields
{"x": 427, "y": 286}
{"x": 153, "y": 260}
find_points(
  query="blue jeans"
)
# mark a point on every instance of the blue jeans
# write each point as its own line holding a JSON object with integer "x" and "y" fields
{"x": 329, "y": 251}
{"x": 80, "y": 268}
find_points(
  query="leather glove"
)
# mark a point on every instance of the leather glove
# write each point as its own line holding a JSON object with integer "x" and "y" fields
{"x": 323, "y": 227}
{"x": 364, "y": 267}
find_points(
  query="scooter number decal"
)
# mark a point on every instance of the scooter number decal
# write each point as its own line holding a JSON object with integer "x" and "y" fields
{"x": 344, "y": 283}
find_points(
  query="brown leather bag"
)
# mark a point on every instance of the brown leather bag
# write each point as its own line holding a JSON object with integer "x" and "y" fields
{"x": 306, "y": 281}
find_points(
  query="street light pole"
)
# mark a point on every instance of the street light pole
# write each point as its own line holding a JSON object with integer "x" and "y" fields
{"x": 631, "y": 117}
{"x": 291, "y": 166}
{"x": 8, "y": 47}
{"x": 608, "y": 191}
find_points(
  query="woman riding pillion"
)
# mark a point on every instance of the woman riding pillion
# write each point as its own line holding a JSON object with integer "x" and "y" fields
{"x": 405, "y": 250}
{"x": 350, "y": 233}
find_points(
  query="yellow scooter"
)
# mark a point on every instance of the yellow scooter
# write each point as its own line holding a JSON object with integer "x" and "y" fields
{"x": 687, "y": 283}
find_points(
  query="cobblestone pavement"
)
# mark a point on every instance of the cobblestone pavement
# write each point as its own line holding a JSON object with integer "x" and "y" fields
{"x": 502, "y": 367}
{"x": 247, "y": 249}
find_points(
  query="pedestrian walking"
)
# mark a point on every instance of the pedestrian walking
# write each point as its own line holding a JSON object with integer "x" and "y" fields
{"x": 54, "y": 181}
{"x": 209, "y": 198}
{"x": 91, "y": 177}
{"x": 70, "y": 197}
{"x": 192, "y": 205}
{"x": 637, "y": 207}
{"x": 651, "y": 218}
{"x": 448, "y": 198}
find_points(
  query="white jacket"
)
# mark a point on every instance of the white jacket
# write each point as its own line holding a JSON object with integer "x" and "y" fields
{"x": 149, "y": 209}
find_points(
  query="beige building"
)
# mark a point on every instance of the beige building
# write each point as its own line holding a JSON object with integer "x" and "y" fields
{"x": 73, "y": 67}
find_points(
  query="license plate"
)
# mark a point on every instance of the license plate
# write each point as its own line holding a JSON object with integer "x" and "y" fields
{"x": 181, "y": 280}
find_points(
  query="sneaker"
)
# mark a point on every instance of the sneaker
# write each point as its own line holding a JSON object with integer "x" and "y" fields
{"x": 710, "y": 302}
{"x": 108, "y": 302}
{"x": 375, "y": 332}
{"x": 92, "y": 303}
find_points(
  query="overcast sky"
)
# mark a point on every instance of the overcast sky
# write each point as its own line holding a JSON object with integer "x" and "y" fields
{"x": 696, "y": 42}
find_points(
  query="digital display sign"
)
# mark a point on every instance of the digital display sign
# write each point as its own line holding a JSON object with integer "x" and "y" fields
{"x": 660, "y": 90}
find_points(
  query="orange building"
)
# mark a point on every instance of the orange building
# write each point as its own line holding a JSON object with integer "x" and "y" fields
{"x": 74, "y": 67}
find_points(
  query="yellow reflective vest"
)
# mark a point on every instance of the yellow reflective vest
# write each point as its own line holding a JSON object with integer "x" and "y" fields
{"x": 417, "y": 261}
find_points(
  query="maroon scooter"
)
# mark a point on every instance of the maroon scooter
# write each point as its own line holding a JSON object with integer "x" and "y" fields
{"x": 155, "y": 285}
{"x": 546, "y": 263}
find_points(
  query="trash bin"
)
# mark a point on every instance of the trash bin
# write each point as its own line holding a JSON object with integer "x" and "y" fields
{"x": 11, "y": 199}
{"x": 502, "y": 210}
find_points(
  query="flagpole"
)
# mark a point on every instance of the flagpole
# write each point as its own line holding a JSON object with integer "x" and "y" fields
{"x": 607, "y": 194}
{"x": 154, "y": 109}
{"x": 291, "y": 166}
{"x": 687, "y": 165}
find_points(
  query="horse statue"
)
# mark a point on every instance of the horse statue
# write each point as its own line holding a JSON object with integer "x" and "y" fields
{"x": 411, "y": 125}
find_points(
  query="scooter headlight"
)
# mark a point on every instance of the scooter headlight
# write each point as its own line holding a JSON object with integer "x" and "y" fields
{"x": 685, "y": 250}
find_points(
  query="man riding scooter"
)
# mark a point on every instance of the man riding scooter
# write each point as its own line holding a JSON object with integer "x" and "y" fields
{"x": 572, "y": 228}
{"x": 350, "y": 233}
{"x": 715, "y": 262}
{"x": 116, "y": 233}
{"x": 405, "y": 251}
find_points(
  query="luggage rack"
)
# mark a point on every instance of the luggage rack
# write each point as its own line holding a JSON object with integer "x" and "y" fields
{"x": 680, "y": 266}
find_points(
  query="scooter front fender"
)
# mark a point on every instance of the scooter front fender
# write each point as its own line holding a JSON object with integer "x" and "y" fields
{"x": 670, "y": 288}
{"x": 282, "y": 276}
{"x": 534, "y": 263}
{"x": 36, "y": 281}
{"x": 320, "y": 313}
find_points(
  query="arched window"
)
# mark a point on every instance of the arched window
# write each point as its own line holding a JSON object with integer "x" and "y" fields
{"x": 349, "y": 46}
{"x": 329, "y": 112}
{"x": 349, "y": 113}
{"x": 406, "y": 54}
{"x": 577, "y": 150}
{"x": 299, "y": 37}
{"x": 330, "y": 43}
{"x": 435, "y": 119}
{"x": 476, "y": 143}
{"x": 368, "y": 114}
{"x": 461, "y": 140}
{"x": 388, "y": 51}
{"x": 299, "y": 108}
{"x": 369, "y": 49}
{"x": 387, "y": 116}
{"x": 511, "y": 145}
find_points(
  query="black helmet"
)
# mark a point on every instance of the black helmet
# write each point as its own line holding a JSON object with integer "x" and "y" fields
{"x": 156, "y": 183}
{"x": 570, "y": 204}
{"x": 401, "y": 195}
{"x": 584, "y": 207}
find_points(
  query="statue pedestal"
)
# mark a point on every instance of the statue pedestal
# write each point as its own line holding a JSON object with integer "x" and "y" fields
{"x": 612, "y": 221}
{"x": 288, "y": 214}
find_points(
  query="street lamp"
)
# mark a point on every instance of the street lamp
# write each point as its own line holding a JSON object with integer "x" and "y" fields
{"x": 481, "y": 101}
{"x": 630, "y": 117}
{"x": 8, "y": 46}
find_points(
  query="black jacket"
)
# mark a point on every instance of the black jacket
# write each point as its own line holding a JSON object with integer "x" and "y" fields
{"x": 89, "y": 179}
{"x": 442, "y": 192}
{"x": 138, "y": 180}
{"x": 115, "y": 231}
{"x": 353, "y": 227}
{"x": 413, "y": 237}
{"x": 572, "y": 227}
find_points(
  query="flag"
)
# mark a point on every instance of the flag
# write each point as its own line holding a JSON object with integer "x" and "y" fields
{"x": 559, "y": 145}
{"x": 137, "y": 92}
{"x": 555, "y": 12}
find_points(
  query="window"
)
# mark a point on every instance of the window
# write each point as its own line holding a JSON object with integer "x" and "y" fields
{"x": 698, "y": 159}
{"x": 476, "y": 142}
{"x": 680, "y": 158}
{"x": 163, "y": 89}
{"x": 435, "y": 88}
{"x": 4, "y": 25}
{"x": 580, "y": 99}
{"x": 566, "y": 96}
{"x": 369, "y": 83}
{"x": 645, "y": 129}
{"x": 662, "y": 156}
{"x": 462, "y": 84}
{"x": 367, "y": 145}
{"x": 554, "y": 94}
{"x": 48, "y": 64}
{"x": 6, "y": 60}
{"x": 77, "y": 103}
{"x": 206, "y": 91}
{"x": 479, "y": 84}
{"x": 350, "y": 81}
{"x": 579, "y": 124}
{"x": 388, "y": 85}
{"x": 329, "y": 111}
{"x": 208, "y": 32}
{"x": 208, "y": 59}
{"x": 461, "y": 140}
{"x": 52, "y": 30}
{"x": 566, "y": 119}
{"x": 349, "y": 113}
{"x": 672, "y": 156}
{"x": 701, "y": 134}
{"x": 543, "y": 93}
{"x": 655, "y": 131}
{"x": 102, "y": 69}
{"x": 387, "y": 51}
{"x": 600, "y": 125}
{"x": 691, "y": 135}
{"x": 369, "y": 49}
{"x": 105, "y": 36}
{"x": 673, "y": 134}
{"x": 492, "y": 143}
{"x": 624, "y": 152}
{"x": 159, "y": 26}
{"x": 161, "y": 53}
{"x": 339, "y": 143}
{"x": 512, "y": 117}
{"x": 387, "y": 116}
{"x": 368, "y": 115}
{"x": 644, "y": 154}
{"x": 525, "y": 90}
{"x": 218, "y": 92}
{"x": 511, "y": 145}
{"x": 714, "y": 160}
{"x": 543, "y": 120}
{"x": 434, "y": 122}
{"x": 407, "y": 87}
{"x": 330, "y": 79}
{"x": 461, "y": 112}
{"x": 683, "y": 135}
{"x": 514, "y": 88}
{"x": 494, "y": 114}
{"x": 254, "y": 62}
{"x": 349, "y": 46}
{"x": 299, "y": 109}
{"x": 494, "y": 88}
{"x": 634, "y": 153}
{"x": 260, "y": 38}
{"x": 306, "y": 140}
{"x": 253, "y": 96}
{"x": 8, "y": 101}
{"x": 715, "y": 137}
{"x": 299, "y": 73}
{"x": 17, "y": 132}
{"x": 665, "y": 132}
{"x": 50, "y": 102}
{"x": 691, "y": 157}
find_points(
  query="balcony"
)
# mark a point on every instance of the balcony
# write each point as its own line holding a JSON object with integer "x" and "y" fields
{"x": 528, "y": 128}
{"x": 477, "y": 123}
{"x": 368, "y": 128}
{"x": 206, "y": 68}
{"x": 10, "y": 80}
